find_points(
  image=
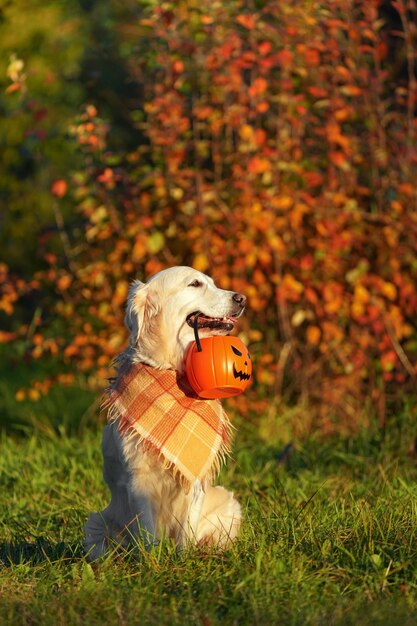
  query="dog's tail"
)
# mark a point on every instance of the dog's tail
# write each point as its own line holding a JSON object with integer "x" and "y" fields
{"x": 95, "y": 536}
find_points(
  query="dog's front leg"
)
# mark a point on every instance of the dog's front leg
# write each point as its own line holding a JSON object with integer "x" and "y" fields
{"x": 142, "y": 527}
{"x": 129, "y": 514}
{"x": 194, "y": 513}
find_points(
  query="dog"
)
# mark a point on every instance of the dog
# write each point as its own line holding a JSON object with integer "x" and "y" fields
{"x": 148, "y": 500}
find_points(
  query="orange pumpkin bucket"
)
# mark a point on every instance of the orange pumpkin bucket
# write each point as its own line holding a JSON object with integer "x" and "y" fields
{"x": 218, "y": 366}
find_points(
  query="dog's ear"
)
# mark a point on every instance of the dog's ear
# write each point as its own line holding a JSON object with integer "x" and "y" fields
{"x": 140, "y": 307}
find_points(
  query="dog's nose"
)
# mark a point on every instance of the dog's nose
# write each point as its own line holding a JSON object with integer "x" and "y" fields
{"x": 239, "y": 298}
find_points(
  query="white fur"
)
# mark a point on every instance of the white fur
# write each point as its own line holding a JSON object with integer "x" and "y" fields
{"x": 147, "y": 503}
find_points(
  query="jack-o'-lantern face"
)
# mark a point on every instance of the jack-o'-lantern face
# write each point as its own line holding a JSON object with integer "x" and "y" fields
{"x": 242, "y": 366}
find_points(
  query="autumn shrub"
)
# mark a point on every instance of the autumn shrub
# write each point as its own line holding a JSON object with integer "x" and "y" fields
{"x": 279, "y": 156}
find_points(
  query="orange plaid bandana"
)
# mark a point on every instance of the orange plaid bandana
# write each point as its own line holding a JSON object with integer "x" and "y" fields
{"x": 191, "y": 435}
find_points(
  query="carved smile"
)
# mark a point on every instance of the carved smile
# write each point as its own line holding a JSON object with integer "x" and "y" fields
{"x": 239, "y": 374}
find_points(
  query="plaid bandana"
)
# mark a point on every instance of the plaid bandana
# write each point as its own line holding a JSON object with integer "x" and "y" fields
{"x": 156, "y": 406}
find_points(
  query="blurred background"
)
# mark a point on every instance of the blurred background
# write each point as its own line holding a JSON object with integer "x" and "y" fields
{"x": 269, "y": 144}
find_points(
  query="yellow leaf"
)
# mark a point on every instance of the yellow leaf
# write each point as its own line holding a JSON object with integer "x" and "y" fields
{"x": 34, "y": 395}
{"x": 276, "y": 243}
{"x": 156, "y": 242}
{"x": 246, "y": 133}
{"x": 255, "y": 335}
{"x": 361, "y": 294}
{"x": 201, "y": 262}
{"x": 357, "y": 309}
{"x": 98, "y": 215}
{"x": 120, "y": 293}
{"x": 292, "y": 284}
{"x": 389, "y": 291}
{"x": 20, "y": 395}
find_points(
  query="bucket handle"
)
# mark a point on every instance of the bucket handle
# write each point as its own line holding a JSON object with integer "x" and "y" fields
{"x": 195, "y": 326}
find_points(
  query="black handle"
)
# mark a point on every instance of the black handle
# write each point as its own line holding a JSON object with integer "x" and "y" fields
{"x": 197, "y": 338}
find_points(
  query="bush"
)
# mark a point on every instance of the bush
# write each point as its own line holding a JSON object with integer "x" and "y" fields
{"x": 279, "y": 156}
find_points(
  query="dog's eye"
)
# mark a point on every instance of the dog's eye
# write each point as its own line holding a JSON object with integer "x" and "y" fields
{"x": 196, "y": 283}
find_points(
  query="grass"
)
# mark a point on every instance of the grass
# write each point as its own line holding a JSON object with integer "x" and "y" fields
{"x": 329, "y": 538}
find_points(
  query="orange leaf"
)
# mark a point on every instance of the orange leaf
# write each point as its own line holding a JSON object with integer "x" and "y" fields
{"x": 265, "y": 47}
{"x": 71, "y": 350}
{"x": 258, "y": 87}
{"x": 313, "y": 179}
{"x": 260, "y": 136}
{"x": 64, "y": 282}
{"x": 246, "y": 20}
{"x": 332, "y": 332}
{"x": 13, "y": 87}
{"x": 338, "y": 159}
{"x": 313, "y": 335}
{"x": 312, "y": 57}
{"x": 262, "y": 107}
{"x": 59, "y": 188}
{"x": 311, "y": 295}
{"x": 7, "y": 336}
{"x": 283, "y": 202}
{"x": 139, "y": 250}
{"x": 388, "y": 360}
{"x": 284, "y": 57}
{"x": 178, "y": 66}
{"x": 259, "y": 165}
{"x": 351, "y": 90}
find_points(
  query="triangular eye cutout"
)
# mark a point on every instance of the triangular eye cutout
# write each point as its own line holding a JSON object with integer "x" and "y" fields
{"x": 236, "y": 351}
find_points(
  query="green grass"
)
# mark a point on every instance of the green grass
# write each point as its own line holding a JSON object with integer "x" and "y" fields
{"x": 329, "y": 538}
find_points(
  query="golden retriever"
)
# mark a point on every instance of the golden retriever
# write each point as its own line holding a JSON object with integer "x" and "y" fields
{"x": 147, "y": 501}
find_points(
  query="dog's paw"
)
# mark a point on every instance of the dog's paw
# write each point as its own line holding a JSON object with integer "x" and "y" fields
{"x": 95, "y": 537}
{"x": 220, "y": 520}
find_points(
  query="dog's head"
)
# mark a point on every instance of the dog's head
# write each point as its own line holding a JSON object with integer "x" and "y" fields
{"x": 160, "y": 314}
